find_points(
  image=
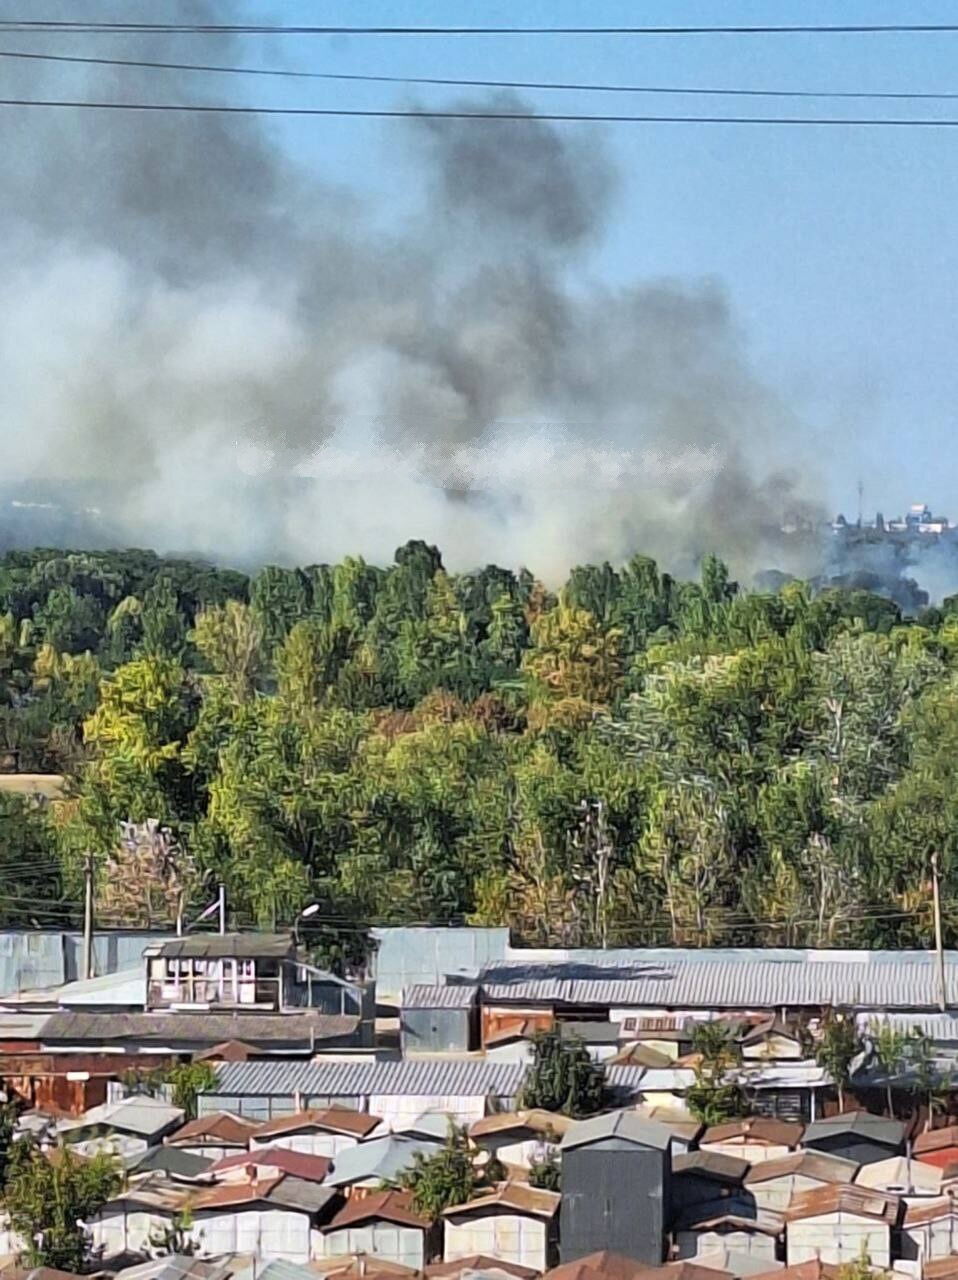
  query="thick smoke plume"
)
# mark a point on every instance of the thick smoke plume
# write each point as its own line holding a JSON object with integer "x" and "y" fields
{"x": 225, "y": 355}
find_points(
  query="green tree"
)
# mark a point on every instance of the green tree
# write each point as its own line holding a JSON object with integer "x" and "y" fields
{"x": 187, "y": 1080}
{"x": 230, "y": 638}
{"x": 715, "y": 1096}
{"x": 890, "y": 1048}
{"x": 50, "y": 1199}
{"x": 546, "y": 1173}
{"x": 839, "y": 1044}
{"x": 445, "y": 1178}
{"x": 562, "y": 1077}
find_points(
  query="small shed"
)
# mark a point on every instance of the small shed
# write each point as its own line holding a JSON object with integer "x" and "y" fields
{"x": 519, "y": 1138}
{"x": 857, "y": 1135}
{"x": 937, "y": 1146}
{"x": 610, "y": 1164}
{"x": 898, "y": 1175}
{"x": 127, "y": 1127}
{"x": 753, "y": 1138}
{"x": 772, "y": 1040}
{"x": 271, "y": 1216}
{"x": 439, "y": 1019}
{"x": 774, "y": 1183}
{"x": 929, "y": 1230}
{"x": 133, "y": 1217}
{"x": 708, "y": 1228}
{"x": 515, "y": 1222}
{"x": 382, "y": 1225}
{"x": 215, "y": 1135}
{"x": 840, "y": 1223}
{"x": 706, "y": 1177}
{"x": 317, "y": 1132}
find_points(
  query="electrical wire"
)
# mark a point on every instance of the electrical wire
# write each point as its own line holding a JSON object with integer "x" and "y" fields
{"x": 211, "y": 28}
{"x": 449, "y": 82}
{"x": 505, "y": 116}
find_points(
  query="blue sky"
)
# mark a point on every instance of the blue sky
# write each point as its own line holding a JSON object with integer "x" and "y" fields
{"x": 837, "y": 247}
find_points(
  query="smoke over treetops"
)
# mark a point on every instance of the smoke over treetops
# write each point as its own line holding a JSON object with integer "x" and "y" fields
{"x": 225, "y": 354}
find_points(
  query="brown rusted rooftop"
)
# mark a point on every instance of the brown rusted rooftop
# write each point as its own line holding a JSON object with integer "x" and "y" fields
{"x": 782, "y": 1133}
{"x": 357, "y": 1124}
{"x": 384, "y": 1206}
{"x": 863, "y": 1202}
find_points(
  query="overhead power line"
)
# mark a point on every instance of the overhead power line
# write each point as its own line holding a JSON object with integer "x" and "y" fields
{"x": 450, "y": 82}
{"x": 427, "y": 114}
{"x": 212, "y": 28}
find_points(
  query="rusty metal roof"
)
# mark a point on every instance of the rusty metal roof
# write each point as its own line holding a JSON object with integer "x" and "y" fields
{"x": 862, "y": 1202}
{"x": 777, "y": 1133}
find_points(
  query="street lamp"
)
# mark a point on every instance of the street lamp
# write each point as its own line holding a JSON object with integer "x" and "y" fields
{"x": 305, "y": 914}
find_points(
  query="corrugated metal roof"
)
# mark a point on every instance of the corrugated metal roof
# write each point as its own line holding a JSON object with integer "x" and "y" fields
{"x": 451, "y": 996}
{"x": 942, "y": 1027}
{"x": 380, "y": 1158}
{"x": 227, "y": 945}
{"x": 280, "y": 1269}
{"x": 437, "y": 1077}
{"x": 860, "y": 1123}
{"x": 755, "y": 984}
{"x": 299, "y": 1027}
{"x": 618, "y": 1124}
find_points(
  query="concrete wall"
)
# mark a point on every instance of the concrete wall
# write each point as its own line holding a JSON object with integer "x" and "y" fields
{"x": 511, "y": 1237}
{"x": 388, "y": 1240}
{"x": 838, "y": 1238}
{"x": 753, "y": 1243}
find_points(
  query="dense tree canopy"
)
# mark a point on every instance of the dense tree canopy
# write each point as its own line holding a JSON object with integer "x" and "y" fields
{"x": 631, "y": 759}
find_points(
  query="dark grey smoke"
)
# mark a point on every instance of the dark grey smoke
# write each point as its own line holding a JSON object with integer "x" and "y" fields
{"x": 184, "y": 309}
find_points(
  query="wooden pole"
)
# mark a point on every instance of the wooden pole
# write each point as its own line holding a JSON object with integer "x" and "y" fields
{"x": 939, "y": 945}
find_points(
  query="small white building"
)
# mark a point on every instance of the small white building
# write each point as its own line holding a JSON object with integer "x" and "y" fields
{"x": 772, "y": 1040}
{"x": 381, "y": 1225}
{"x": 268, "y": 1216}
{"x": 214, "y": 1136}
{"x": 317, "y": 1132}
{"x": 773, "y": 1184}
{"x": 126, "y": 1128}
{"x": 839, "y": 1223}
{"x": 135, "y": 1220}
{"x": 701, "y": 1230}
{"x": 516, "y": 1223}
{"x": 913, "y": 1180}
{"x": 930, "y": 1230}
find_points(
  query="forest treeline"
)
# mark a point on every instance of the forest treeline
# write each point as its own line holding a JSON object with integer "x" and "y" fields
{"x": 630, "y": 760}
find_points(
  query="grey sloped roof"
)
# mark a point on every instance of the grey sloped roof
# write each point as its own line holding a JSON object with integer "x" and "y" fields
{"x": 438, "y": 1077}
{"x": 301, "y": 1027}
{"x": 627, "y": 1125}
{"x": 171, "y": 1160}
{"x": 745, "y": 983}
{"x": 280, "y": 1269}
{"x": 215, "y": 946}
{"x": 858, "y": 1123}
{"x": 381, "y": 1158}
{"x": 452, "y": 996}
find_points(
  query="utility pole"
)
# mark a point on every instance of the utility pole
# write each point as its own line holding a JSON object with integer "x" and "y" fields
{"x": 221, "y": 906}
{"x": 88, "y": 916}
{"x": 939, "y": 945}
